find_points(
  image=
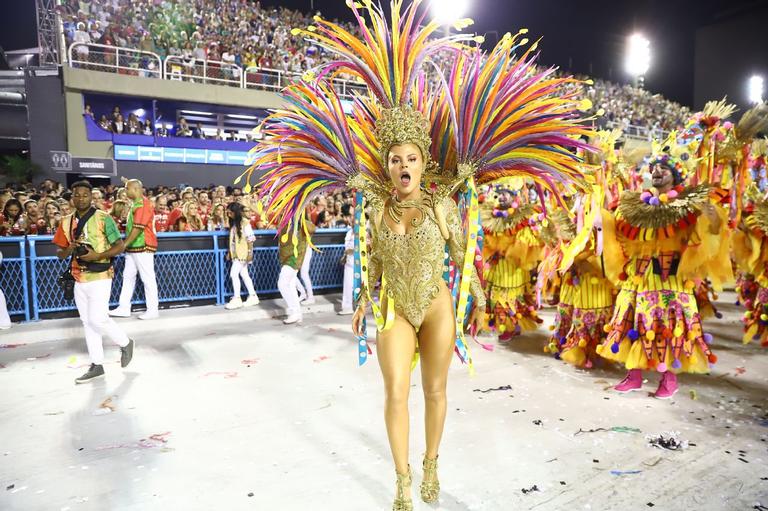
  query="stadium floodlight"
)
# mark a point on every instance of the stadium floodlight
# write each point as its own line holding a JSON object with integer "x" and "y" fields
{"x": 239, "y": 116}
{"x": 756, "y": 89}
{"x": 638, "y": 58}
{"x": 140, "y": 112}
{"x": 447, "y": 12}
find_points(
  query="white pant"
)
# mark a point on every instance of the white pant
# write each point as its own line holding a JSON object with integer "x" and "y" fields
{"x": 287, "y": 286}
{"x": 5, "y": 319}
{"x": 92, "y": 300}
{"x": 240, "y": 270}
{"x": 142, "y": 263}
{"x": 349, "y": 282}
{"x": 305, "y": 274}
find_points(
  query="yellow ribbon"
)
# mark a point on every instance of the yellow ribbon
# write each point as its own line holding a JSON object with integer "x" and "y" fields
{"x": 382, "y": 323}
{"x": 467, "y": 269}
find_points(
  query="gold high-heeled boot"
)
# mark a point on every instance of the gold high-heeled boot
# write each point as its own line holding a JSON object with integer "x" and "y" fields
{"x": 403, "y": 503}
{"x": 430, "y": 486}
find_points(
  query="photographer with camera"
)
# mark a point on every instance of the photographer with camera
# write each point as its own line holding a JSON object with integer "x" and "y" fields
{"x": 91, "y": 238}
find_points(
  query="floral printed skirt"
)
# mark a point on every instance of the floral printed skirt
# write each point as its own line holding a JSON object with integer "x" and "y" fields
{"x": 511, "y": 304}
{"x": 656, "y": 325}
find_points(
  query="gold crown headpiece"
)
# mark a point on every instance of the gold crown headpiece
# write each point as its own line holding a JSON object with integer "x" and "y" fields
{"x": 403, "y": 125}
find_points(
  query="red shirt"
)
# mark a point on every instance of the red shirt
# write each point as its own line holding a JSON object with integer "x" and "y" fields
{"x": 161, "y": 222}
{"x": 173, "y": 217}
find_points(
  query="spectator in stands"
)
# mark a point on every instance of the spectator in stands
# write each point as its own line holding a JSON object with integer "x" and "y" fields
{"x": 140, "y": 246}
{"x": 119, "y": 212}
{"x": 98, "y": 199}
{"x": 82, "y": 36}
{"x": 183, "y": 129}
{"x": 134, "y": 124}
{"x": 204, "y": 201}
{"x": 66, "y": 207}
{"x": 12, "y": 219}
{"x": 33, "y": 220}
{"x": 104, "y": 123}
{"x": 87, "y": 111}
{"x": 192, "y": 219}
{"x": 5, "y": 318}
{"x": 319, "y": 204}
{"x": 161, "y": 214}
{"x": 147, "y": 130}
{"x": 116, "y": 113}
{"x": 218, "y": 221}
{"x": 290, "y": 258}
{"x": 118, "y": 126}
{"x": 240, "y": 252}
{"x": 52, "y": 217}
{"x": 162, "y": 131}
{"x": 219, "y": 135}
{"x": 95, "y": 234}
{"x": 199, "y": 133}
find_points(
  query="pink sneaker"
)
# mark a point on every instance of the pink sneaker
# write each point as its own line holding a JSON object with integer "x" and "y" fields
{"x": 667, "y": 387}
{"x": 633, "y": 381}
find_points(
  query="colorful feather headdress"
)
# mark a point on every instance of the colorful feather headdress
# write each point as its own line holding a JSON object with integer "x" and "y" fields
{"x": 487, "y": 117}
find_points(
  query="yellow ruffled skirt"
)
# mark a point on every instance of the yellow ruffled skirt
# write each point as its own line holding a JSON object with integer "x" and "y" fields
{"x": 656, "y": 325}
{"x": 592, "y": 311}
{"x": 511, "y": 304}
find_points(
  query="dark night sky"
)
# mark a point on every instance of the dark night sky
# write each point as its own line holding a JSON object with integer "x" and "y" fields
{"x": 585, "y": 37}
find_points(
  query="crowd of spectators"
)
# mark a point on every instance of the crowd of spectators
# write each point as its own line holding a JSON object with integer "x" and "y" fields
{"x": 238, "y": 32}
{"x": 115, "y": 122}
{"x": 251, "y": 35}
{"x": 28, "y": 210}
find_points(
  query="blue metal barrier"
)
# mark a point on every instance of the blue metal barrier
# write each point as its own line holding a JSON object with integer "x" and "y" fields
{"x": 189, "y": 266}
{"x": 13, "y": 275}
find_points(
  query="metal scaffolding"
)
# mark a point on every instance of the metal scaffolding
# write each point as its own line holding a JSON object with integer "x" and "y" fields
{"x": 48, "y": 33}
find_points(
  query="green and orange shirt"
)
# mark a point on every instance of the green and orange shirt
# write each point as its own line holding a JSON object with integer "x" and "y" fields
{"x": 100, "y": 233}
{"x": 142, "y": 215}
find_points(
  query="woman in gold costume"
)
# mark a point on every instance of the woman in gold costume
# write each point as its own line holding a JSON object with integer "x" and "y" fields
{"x": 411, "y": 147}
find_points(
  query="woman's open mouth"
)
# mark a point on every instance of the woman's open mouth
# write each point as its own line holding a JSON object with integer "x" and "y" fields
{"x": 405, "y": 179}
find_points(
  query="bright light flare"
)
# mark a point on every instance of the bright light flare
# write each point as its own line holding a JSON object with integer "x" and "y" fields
{"x": 638, "y": 58}
{"x": 446, "y": 12}
{"x": 756, "y": 84}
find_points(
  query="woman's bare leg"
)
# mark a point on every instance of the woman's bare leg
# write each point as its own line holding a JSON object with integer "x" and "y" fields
{"x": 394, "y": 349}
{"x": 436, "y": 341}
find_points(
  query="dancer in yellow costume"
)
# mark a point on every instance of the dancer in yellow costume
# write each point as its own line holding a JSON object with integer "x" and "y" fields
{"x": 671, "y": 235}
{"x": 410, "y": 146}
{"x": 750, "y": 249}
{"x": 511, "y": 250}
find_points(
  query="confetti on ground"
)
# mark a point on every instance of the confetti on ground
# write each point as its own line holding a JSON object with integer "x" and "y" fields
{"x": 503, "y": 387}
{"x": 615, "y": 429}
{"x": 225, "y": 374}
{"x": 321, "y": 358}
{"x": 532, "y": 489}
{"x": 12, "y": 345}
{"x": 38, "y": 358}
{"x": 740, "y": 370}
{"x": 669, "y": 441}
{"x": 53, "y": 413}
{"x": 250, "y": 361}
{"x": 694, "y": 395}
{"x": 157, "y": 440}
{"x": 625, "y": 472}
{"x": 10, "y": 487}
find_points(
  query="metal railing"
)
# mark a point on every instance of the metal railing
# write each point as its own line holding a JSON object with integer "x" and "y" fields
{"x": 190, "y": 267}
{"x": 127, "y": 61}
{"x": 115, "y": 59}
{"x": 202, "y": 71}
{"x": 13, "y": 275}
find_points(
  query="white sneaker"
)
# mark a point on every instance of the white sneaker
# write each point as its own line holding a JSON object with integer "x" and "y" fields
{"x": 150, "y": 315}
{"x": 345, "y": 312}
{"x": 309, "y": 301}
{"x": 119, "y": 313}
{"x": 235, "y": 303}
{"x": 293, "y": 318}
{"x": 251, "y": 301}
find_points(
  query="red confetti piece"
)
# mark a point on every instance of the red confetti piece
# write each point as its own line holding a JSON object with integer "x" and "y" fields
{"x": 321, "y": 358}
{"x": 741, "y": 370}
{"x": 12, "y": 345}
{"x": 230, "y": 374}
{"x": 250, "y": 361}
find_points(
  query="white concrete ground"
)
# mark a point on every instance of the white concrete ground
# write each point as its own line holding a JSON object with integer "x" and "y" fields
{"x": 232, "y": 410}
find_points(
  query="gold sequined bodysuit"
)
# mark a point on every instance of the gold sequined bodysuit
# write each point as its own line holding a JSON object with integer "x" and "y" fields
{"x": 413, "y": 263}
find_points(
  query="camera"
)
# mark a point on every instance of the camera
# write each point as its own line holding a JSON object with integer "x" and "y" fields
{"x": 67, "y": 284}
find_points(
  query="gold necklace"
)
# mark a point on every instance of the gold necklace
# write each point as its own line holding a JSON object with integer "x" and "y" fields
{"x": 395, "y": 209}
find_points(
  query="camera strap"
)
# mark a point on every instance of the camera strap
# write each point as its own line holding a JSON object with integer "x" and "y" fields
{"x": 81, "y": 223}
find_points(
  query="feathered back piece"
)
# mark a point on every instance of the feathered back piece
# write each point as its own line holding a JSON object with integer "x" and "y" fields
{"x": 308, "y": 148}
{"x": 389, "y": 57}
{"x": 502, "y": 116}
